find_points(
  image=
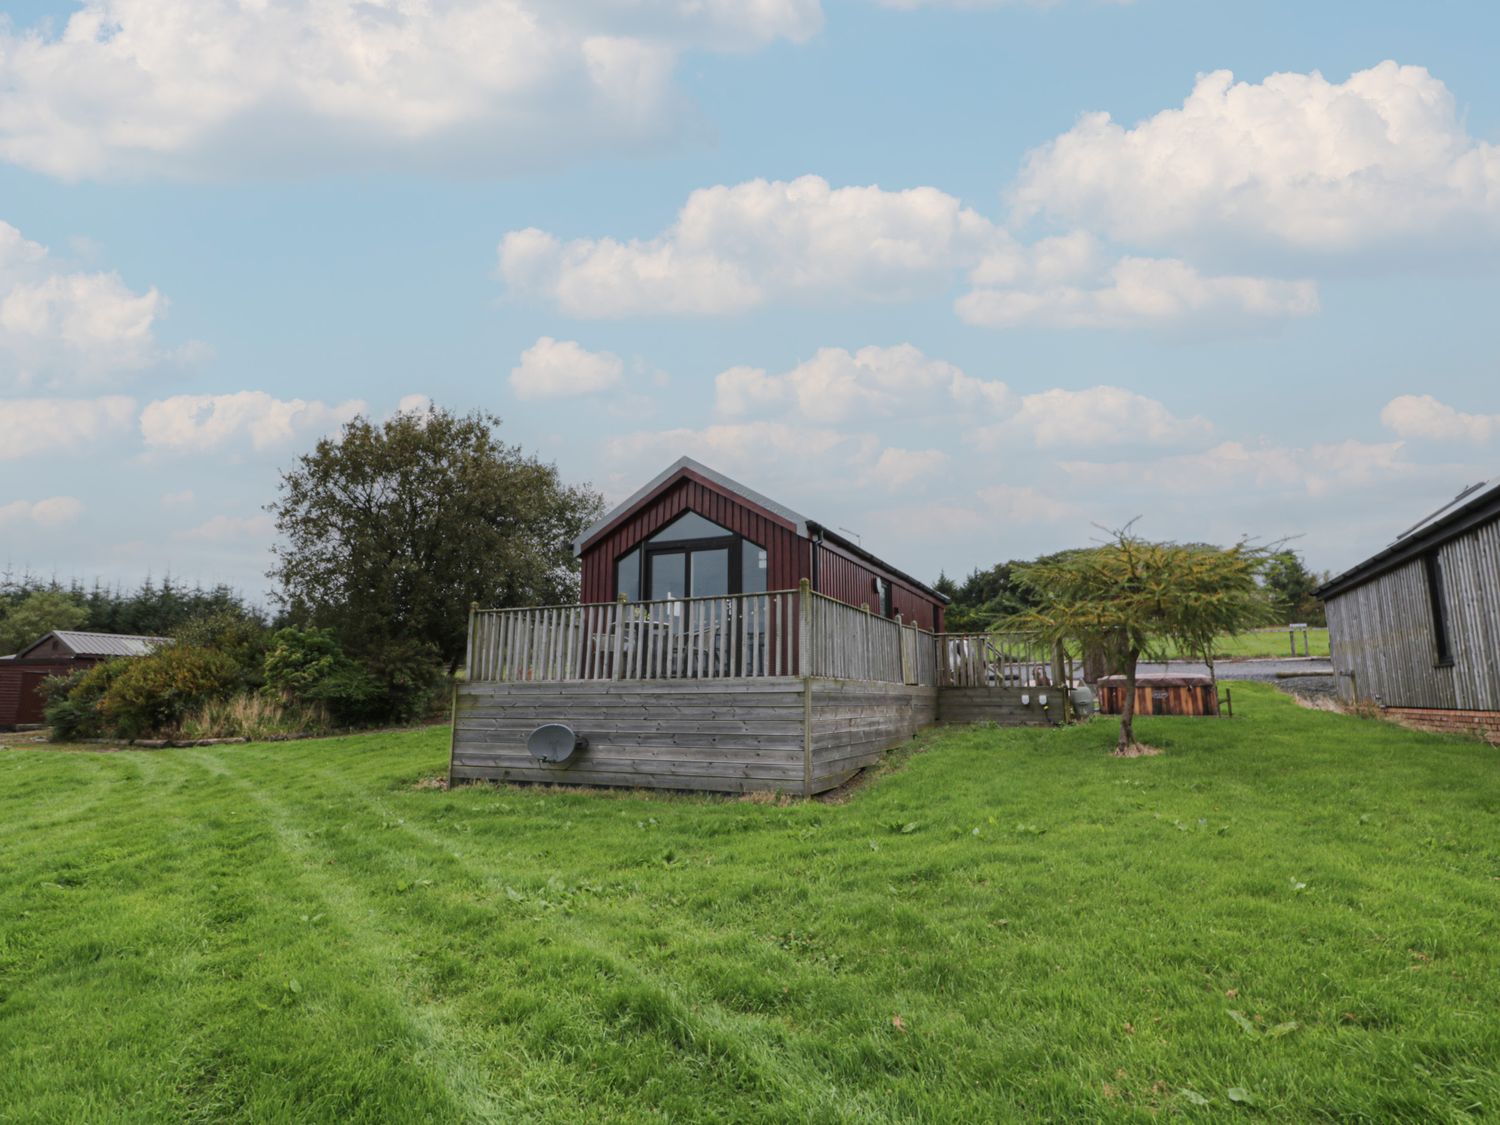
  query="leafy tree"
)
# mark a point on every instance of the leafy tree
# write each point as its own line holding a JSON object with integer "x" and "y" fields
{"x": 1130, "y": 598}
{"x": 391, "y": 530}
{"x": 152, "y": 693}
{"x": 1293, "y": 589}
{"x": 36, "y": 615}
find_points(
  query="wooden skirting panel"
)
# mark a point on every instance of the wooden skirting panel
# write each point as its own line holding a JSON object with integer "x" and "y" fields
{"x": 1000, "y": 705}
{"x": 725, "y": 736}
{"x": 855, "y": 721}
{"x": 784, "y": 734}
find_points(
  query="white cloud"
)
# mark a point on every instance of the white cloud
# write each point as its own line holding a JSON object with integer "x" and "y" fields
{"x": 736, "y": 248}
{"x": 51, "y": 512}
{"x": 59, "y": 325}
{"x": 1422, "y": 416}
{"x": 204, "y": 423}
{"x": 31, "y": 426}
{"x": 231, "y": 529}
{"x": 1315, "y": 470}
{"x": 1142, "y": 291}
{"x": 1382, "y": 158}
{"x": 1015, "y": 503}
{"x": 413, "y": 404}
{"x": 897, "y": 469}
{"x": 214, "y": 87}
{"x": 563, "y": 368}
{"x": 1103, "y": 415}
{"x": 733, "y": 248}
{"x": 874, "y": 381}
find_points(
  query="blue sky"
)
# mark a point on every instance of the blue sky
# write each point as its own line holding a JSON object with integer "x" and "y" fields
{"x": 886, "y": 263}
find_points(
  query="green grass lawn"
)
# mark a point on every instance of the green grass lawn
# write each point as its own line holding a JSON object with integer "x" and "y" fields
{"x": 1269, "y": 642}
{"x": 1290, "y": 907}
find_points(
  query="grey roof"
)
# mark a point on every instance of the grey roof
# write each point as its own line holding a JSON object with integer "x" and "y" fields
{"x": 106, "y": 644}
{"x": 729, "y": 484}
{"x": 1475, "y": 504}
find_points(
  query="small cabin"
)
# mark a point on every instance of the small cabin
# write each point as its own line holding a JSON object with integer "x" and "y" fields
{"x": 1161, "y": 693}
{"x": 1415, "y": 628}
{"x": 694, "y": 532}
{"x": 59, "y": 653}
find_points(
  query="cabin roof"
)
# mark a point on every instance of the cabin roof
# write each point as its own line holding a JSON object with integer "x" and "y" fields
{"x": 1475, "y": 505}
{"x": 806, "y": 528}
{"x": 99, "y": 644}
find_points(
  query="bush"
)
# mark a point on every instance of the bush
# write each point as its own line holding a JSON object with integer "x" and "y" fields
{"x": 72, "y": 702}
{"x": 308, "y": 666}
{"x": 154, "y": 692}
{"x": 235, "y": 632}
{"x": 408, "y": 677}
{"x": 252, "y": 715}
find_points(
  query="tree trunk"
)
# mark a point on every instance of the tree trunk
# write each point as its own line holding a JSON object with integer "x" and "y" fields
{"x": 1127, "y": 708}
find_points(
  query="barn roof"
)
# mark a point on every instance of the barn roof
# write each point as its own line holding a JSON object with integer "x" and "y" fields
{"x": 1475, "y": 505}
{"x": 686, "y": 467}
{"x": 100, "y": 644}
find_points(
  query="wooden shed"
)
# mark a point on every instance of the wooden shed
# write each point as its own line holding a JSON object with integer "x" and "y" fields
{"x": 1415, "y": 628}
{"x": 694, "y": 532}
{"x": 1161, "y": 693}
{"x": 59, "y": 653}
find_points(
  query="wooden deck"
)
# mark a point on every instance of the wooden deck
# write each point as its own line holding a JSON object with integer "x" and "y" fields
{"x": 787, "y": 691}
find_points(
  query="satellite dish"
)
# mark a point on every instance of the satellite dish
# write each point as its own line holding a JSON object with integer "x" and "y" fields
{"x": 554, "y": 743}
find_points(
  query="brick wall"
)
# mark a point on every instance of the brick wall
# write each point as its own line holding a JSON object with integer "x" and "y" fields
{"x": 1475, "y": 724}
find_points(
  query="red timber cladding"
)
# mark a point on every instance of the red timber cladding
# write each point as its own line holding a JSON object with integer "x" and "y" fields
{"x": 787, "y": 559}
{"x": 20, "y": 683}
{"x": 850, "y": 580}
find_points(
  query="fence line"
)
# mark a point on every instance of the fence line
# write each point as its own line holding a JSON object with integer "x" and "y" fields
{"x": 992, "y": 660}
{"x": 739, "y": 637}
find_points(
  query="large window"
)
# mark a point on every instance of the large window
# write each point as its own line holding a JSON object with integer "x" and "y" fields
{"x": 1439, "y": 601}
{"x": 692, "y": 557}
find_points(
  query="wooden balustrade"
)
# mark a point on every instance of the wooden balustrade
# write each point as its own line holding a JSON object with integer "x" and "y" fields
{"x": 739, "y": 636}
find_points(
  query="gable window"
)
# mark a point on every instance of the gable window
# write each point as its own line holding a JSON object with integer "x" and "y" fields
{"x": 1437, "y": 597}
{"x": 692, "y": 557}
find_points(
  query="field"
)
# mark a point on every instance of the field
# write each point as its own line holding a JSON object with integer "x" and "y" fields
{"x": 1268, "y": 643}
{"x": 1289, "y": 916}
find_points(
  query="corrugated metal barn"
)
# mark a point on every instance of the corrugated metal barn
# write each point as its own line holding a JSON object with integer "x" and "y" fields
{"x": 694, "y": 532}
{"x": 1416, "y": 628}
{"x": 59, "y": 653}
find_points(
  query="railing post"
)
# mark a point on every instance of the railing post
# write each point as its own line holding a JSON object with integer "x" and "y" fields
{"x": 469, "y": 643}
{"x": 804, "y": 628}
{"x": 616, "y": 660}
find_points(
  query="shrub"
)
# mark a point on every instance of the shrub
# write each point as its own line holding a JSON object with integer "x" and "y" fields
{"x": 309, "y": 666}
{"x": 72, "y": 708}
{"x": 409, "y": 679}
{"x": 251, "y": 715}
{"x": 154, "y": 692}
{"x": 235, "y": 632}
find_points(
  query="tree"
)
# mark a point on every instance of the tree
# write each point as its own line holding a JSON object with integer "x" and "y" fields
{"x": 391, "y": 530}
{"x": 1130, "y": 598}
{"x": 1293, "y": 589}
{"x": 36, "y": 615}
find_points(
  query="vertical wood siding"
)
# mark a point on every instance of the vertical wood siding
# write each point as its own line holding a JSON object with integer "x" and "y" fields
{"x": 787, "y": 560}
{"x": 849, "y": 579}
{"x": 1383, "y": 639}
{"x": 788, "y": 555}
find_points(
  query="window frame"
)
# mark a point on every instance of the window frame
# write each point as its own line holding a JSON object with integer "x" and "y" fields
{"x": 733, "y": 542}
{"x": 1437, "y": 602}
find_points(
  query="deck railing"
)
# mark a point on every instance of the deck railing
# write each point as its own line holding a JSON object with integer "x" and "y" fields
{"x": 738, "y": 637}
{"x": 992, "y": 660}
